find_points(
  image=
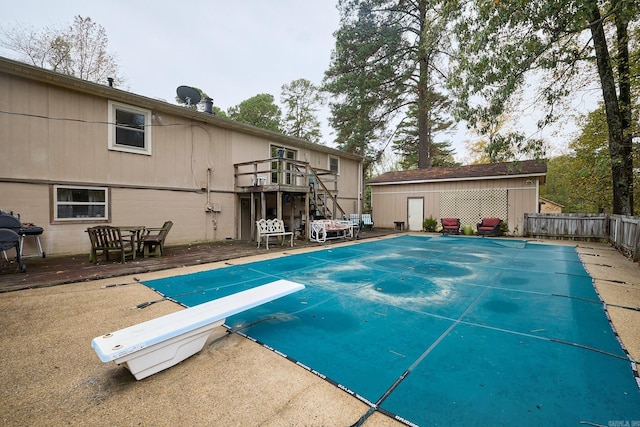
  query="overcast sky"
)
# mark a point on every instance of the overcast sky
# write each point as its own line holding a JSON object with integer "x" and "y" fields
{"x": 231, "y": 49}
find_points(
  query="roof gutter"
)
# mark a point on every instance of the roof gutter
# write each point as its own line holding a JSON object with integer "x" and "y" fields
{"x": 474, "y": 178}
{"x": 42, "y": 75}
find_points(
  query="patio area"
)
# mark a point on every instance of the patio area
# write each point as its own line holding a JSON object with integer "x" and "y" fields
{"x": 58, "y": 270}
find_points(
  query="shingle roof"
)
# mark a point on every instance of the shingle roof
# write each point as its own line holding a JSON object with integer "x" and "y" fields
{"x": 470, "y": 172}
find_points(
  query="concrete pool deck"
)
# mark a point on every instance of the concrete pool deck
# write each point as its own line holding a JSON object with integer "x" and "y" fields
{"x": 51, "y": 375}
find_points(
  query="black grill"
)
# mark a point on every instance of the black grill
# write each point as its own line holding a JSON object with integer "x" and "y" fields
{"x": 12, "y": 234}
{"x": 30, "y": 230}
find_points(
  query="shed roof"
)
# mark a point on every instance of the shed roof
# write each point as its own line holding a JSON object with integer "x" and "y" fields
{"x": 551, "y": 202}
{"x": 525, "y": 168}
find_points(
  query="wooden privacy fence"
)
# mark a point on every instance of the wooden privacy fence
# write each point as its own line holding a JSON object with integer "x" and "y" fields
{"x": 620, "y": 230}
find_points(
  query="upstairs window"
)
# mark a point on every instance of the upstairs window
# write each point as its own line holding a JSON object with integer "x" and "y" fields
{"x": 334, "y": 164}
{"x": 129, "y": 129}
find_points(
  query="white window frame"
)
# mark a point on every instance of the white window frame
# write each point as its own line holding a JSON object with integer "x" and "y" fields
{"x": 113, "y": 144}
{"x": 337, "y": 159}
{"x": 57, "y": 203}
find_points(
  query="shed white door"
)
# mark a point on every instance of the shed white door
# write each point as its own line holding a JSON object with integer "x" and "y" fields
{"x": 415, "y": 214}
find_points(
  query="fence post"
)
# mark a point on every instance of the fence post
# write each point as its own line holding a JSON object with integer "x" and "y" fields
{"x": 636, "y": 250}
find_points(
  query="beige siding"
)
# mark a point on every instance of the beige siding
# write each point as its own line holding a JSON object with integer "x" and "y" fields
{"x": 59, "y": 135}
{"x": 389, "y": 202}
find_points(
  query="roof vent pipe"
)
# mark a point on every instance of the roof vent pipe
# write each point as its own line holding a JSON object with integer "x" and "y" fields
{"x": 208, "y": 105}
{"x": 110, "y": 80}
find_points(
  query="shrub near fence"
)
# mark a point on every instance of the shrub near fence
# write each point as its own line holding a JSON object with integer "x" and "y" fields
{"x": 621, "y": 231}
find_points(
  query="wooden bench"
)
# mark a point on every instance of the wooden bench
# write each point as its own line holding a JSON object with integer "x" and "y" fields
{"x": 107, "y": 239}
{"x": 271, "y": 227}
{"x": 324, "y": 229}
{"x": 153, "y": 240}
{"x": 160, "y": 343}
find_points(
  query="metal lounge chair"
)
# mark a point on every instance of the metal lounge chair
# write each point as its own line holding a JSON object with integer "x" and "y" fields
{"x": 450, "y": 225}
{"x": 367, "y": 221}
{"x": 489, "y": 227}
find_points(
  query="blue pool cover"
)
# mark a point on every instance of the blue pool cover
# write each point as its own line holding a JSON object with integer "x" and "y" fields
{"x": 441, "y": 331}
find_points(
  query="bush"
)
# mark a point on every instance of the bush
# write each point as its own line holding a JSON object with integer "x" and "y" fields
{"x": 429, "y": 224}
{"x": 504, "y": 228}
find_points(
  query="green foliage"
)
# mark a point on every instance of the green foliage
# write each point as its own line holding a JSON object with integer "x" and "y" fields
{"x": 406, "y": 143}
{"x": 498, "y": 143}
{"x": 511, "y": 146}
{"x": 302, "y": 100}
{"x": 429, "y": 224}
{"x": 80, "y": 50}
{"x": 504, "y": 228}
{"x": 260, "y": 111}
{"x": 217, "y": 111}
{"x": 384, "y": 61}
{"x": 559, "y": 185}
{"x": 501, "y": 43}
{"x": 581, "y": 181}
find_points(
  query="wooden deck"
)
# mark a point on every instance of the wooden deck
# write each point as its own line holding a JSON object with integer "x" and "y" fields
{"x": 58, "y": 270}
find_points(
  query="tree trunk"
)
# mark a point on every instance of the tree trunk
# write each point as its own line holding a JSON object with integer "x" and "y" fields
{"x": 625, "y": 11}
{"x": 620, "y": 169}
{"x": 424, "y": 143}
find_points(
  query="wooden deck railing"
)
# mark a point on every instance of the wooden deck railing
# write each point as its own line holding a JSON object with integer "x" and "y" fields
{"x": 621, "y": 231}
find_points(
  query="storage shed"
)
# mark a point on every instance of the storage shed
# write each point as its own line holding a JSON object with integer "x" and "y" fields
{"x": 503, "y": 190}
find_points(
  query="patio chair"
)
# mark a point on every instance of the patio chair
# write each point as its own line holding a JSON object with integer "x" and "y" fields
{"x": 106, "y": 239}
{"x": 153, "y": 241}
{"x": 450, "y": 225}
{"x": 10, "y": 239}
{"x": 367, "y": 221}
{"x": 356, "y": 224}
{"x": 489, "y": 227}
{"x": 355, "y": 219}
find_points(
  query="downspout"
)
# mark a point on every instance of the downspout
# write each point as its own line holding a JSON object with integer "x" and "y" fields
{"x": 360, "y": 189}
{"x": 537, "y": 195}
{"x": 209, "y": 207}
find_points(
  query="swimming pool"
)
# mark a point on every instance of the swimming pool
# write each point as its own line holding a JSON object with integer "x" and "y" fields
{"x": 445, "y": 330}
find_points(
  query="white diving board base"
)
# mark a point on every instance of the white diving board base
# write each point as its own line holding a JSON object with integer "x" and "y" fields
{"x": 157, "y": 344}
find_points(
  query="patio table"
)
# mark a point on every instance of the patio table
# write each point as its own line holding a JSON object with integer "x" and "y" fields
{"x": 136, "y": 231}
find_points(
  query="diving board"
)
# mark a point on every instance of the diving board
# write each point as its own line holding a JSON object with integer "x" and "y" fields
{"x": 157, "y": 344}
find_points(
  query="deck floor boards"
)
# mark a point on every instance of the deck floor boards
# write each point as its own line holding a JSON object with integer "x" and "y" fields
{"x": 58, "y": 270}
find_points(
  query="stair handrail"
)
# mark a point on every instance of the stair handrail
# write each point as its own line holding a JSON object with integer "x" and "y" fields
{"x": 327, "y": 191}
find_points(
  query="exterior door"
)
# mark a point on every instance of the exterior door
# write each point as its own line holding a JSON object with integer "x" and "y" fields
{"x": 415, "y": 214}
